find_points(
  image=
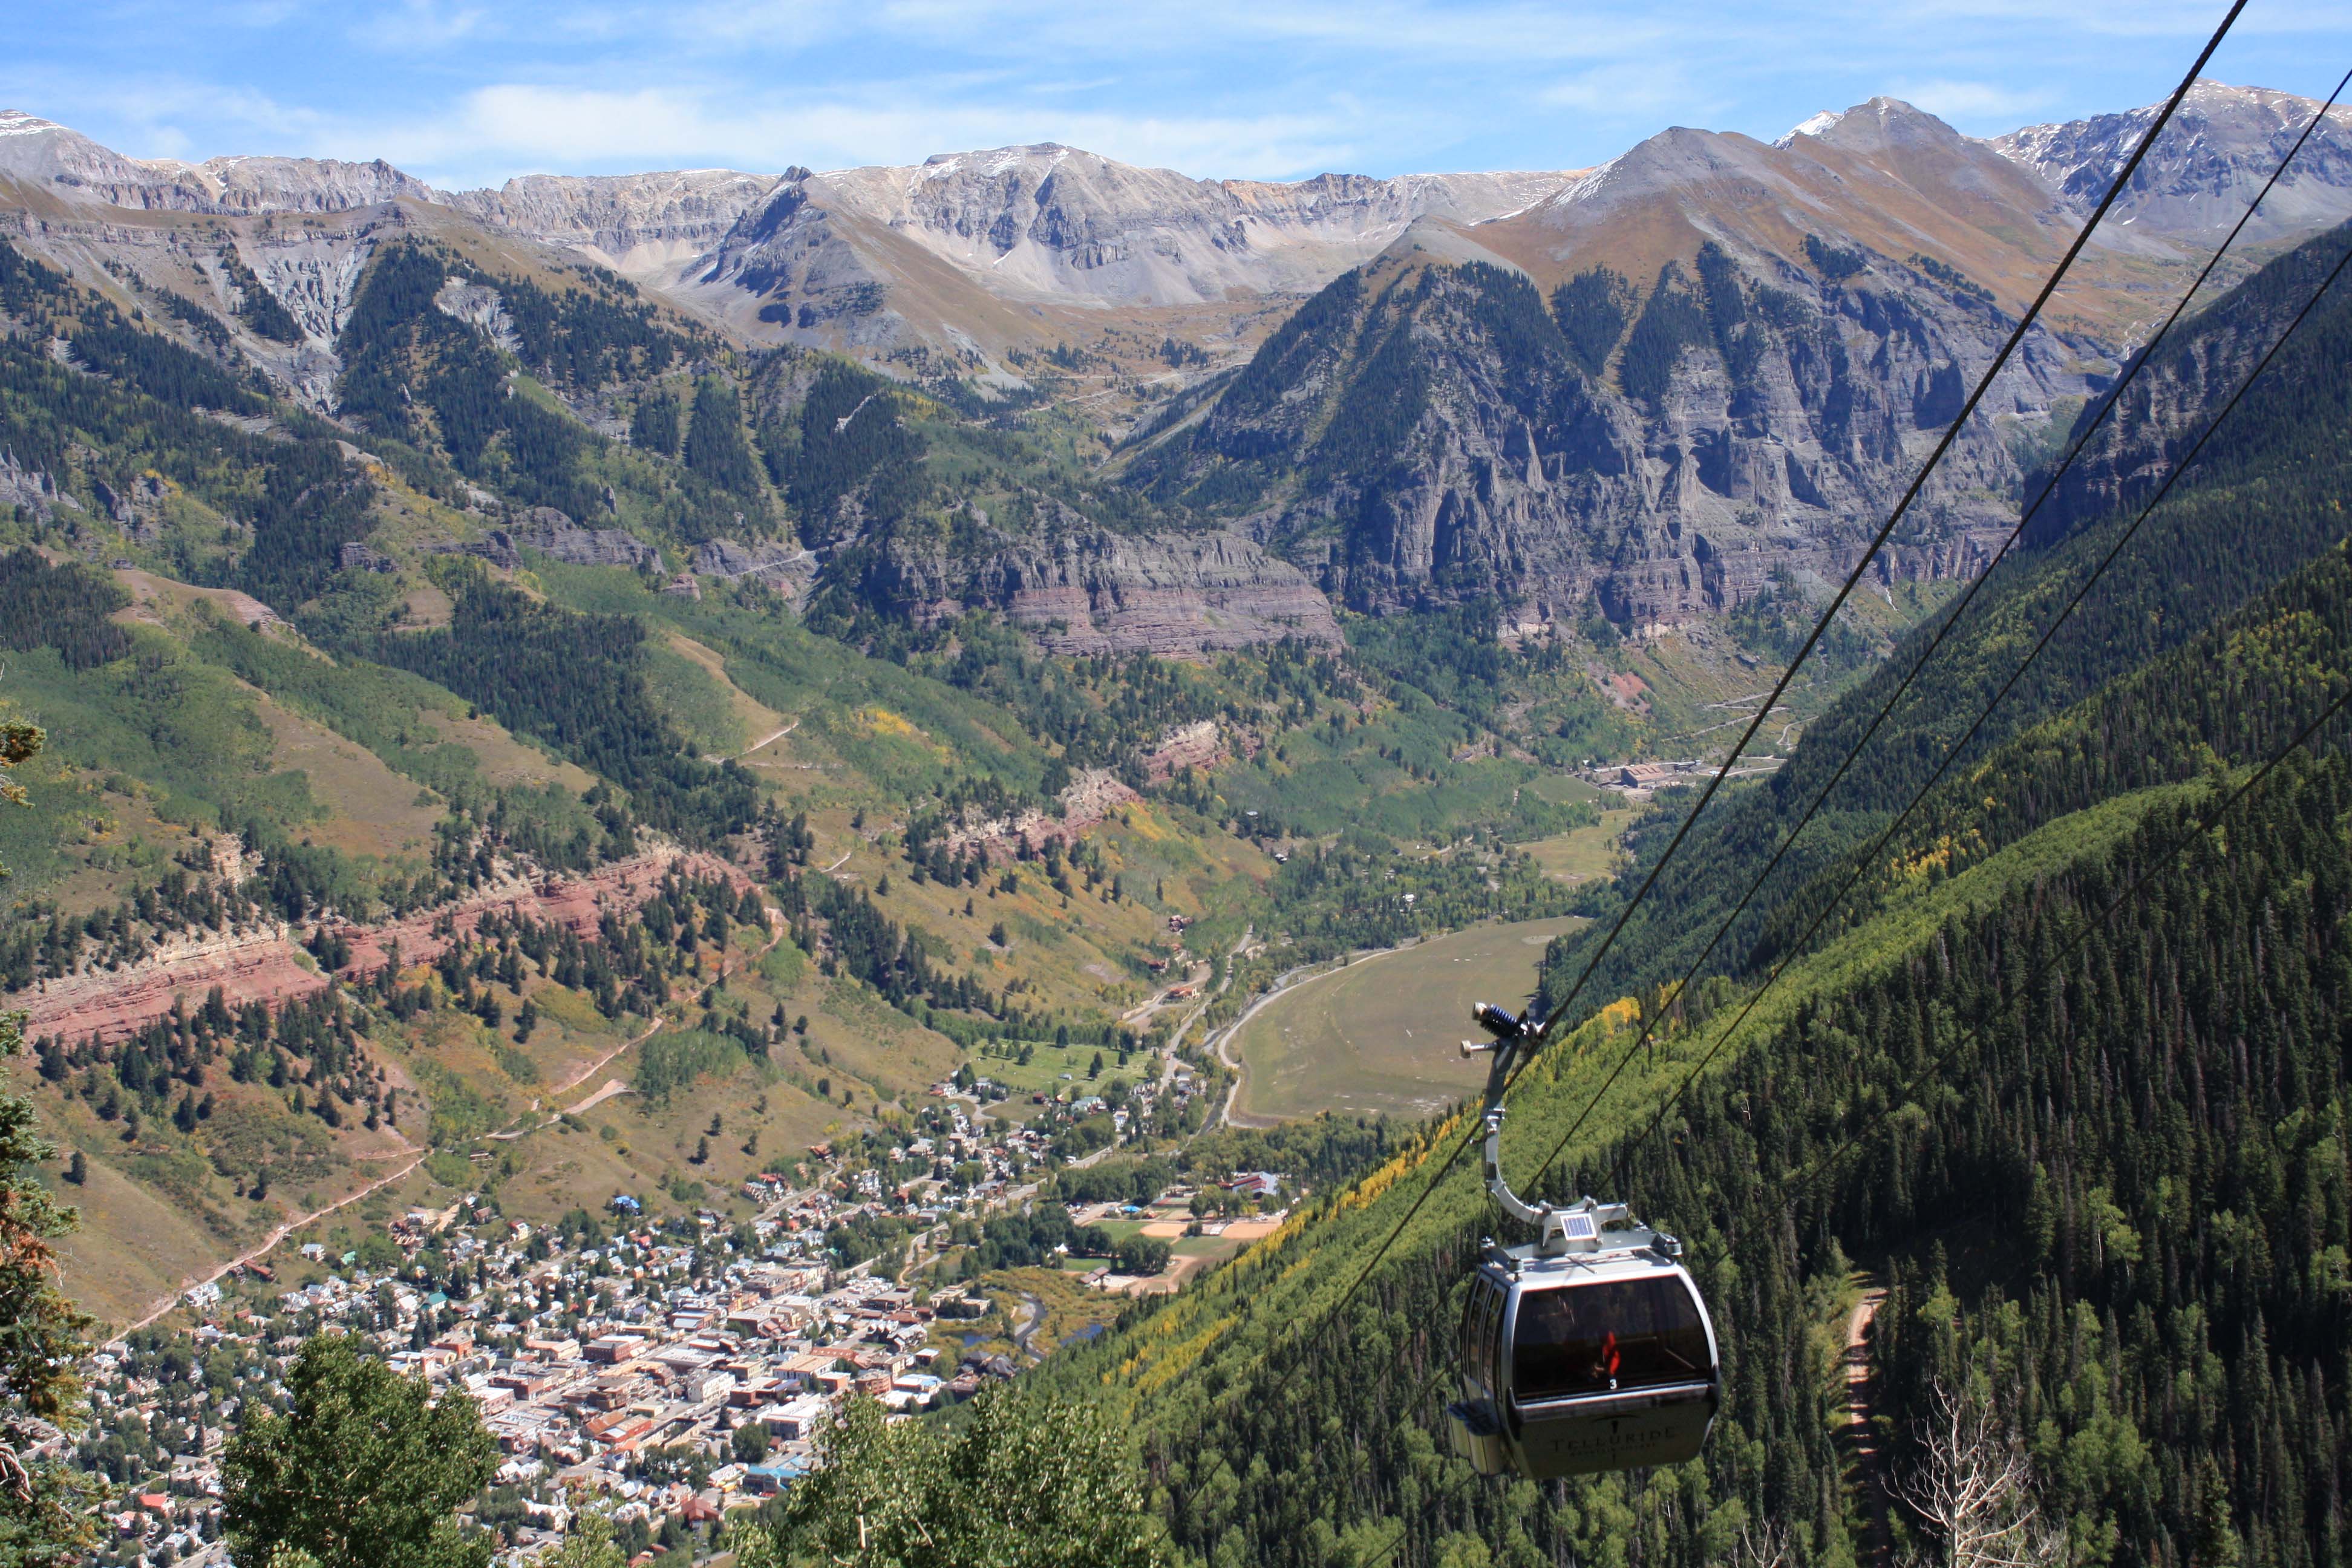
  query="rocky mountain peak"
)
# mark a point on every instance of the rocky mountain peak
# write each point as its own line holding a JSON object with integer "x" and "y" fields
{"x": 1819, "y": 124}
{"x": 1882, "y": 124}
{"x": 1049, "y": 221}
{"x": 2220, "y": 146}
{"x": 964, "y": 250}
{"x": 69, "y": 165}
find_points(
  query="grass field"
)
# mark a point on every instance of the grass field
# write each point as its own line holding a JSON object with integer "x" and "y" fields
{"x": 1379, "y": 1036}
{"x": 1584, "y": 853}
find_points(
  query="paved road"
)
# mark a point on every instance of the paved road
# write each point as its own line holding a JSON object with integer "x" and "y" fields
{"x": 1287, "y": 980}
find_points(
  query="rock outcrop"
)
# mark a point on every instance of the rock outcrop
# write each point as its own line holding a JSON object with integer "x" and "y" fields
{"x": 1198, "y": 745}
{"x": 639, "y": 224}
{"x": 34, "y": 489}
{"x": 551, "y": 532}
{"x": 478, "y": 306}
{"x": 72, "y": 168}
{"x": 780, "y": 566}
{"x": 2220, "y": 147}
{"x": 1081, "y": 589}
{"x": 265, "y": 962}
{"x": 545, "y": 529}
{"x": 1089, "y": 797}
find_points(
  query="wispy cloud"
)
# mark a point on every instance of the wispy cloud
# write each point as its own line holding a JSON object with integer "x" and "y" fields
{"x": 494, "y": 130}
{"x": 472, "y": 91}
{"x": 424, "y": 27}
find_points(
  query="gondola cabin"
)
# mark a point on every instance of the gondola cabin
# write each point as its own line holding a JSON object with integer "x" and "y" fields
{"x": 1591, "y": 1351}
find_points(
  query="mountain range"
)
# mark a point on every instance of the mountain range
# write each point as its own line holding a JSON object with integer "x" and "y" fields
{"x": 1046, "y": 224}
{"x": 637, "y": 695}
{"x": 1651, "y": 392}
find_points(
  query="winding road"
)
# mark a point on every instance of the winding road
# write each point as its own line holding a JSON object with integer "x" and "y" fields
{"x": 1289, "y": 980}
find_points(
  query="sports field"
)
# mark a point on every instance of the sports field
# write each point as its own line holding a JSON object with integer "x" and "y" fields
{"x": 1380, "y": 1035}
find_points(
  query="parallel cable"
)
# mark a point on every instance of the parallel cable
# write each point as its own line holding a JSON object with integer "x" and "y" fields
{"x": 1953, "y": 616}
{"x": 1812, "y": 639}
{"x": 2157, "y": 866}
{"x": 1821, "y": 1164}
{"x": 2122, "y": 179}
{"x": 1865, "y": 862}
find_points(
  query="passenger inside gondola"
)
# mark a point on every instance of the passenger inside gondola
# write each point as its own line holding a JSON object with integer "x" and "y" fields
{"x": 1611, "y": 1335}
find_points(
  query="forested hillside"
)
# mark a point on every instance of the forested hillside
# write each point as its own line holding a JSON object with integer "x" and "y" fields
{"x": 378, "y": 742}
{"x": 2066, "y": 1080}
{"x": 2279, "y": 459}
{"x": 2100, "y": 1161}
{"x": 757, "y": 841}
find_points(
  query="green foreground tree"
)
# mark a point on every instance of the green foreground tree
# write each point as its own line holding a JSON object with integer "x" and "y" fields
{"x": 42, "y": 1336}
{"x": 1028, "y": 1482}
{"x": 588, "y": 1543}
{"x": 366, "y": 1469}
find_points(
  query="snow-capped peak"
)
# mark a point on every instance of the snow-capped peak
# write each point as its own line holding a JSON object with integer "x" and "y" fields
{"x": 1817, "y": 125}
{"x": 16, "y": 122}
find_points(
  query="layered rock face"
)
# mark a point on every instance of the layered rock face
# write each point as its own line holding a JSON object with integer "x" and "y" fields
{"x": 640, "y": 225}
{"x": 959, "y": 250}
{"x": 260, "y": 963}
{"x": 1054, "y": 222}
{"x": 1082, "y": 589}
{"x": 544, "y": 528}
{"x": 71, "y": 166}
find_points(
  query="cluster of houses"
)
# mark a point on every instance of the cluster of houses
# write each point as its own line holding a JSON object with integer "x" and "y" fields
{"x": 600, "y": 1362}
{"x": 669, "y": 1362}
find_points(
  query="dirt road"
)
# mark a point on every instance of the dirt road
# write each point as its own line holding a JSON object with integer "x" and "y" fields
{"x": 280, "y": 1234}
{"x": 1864, "y": 1459}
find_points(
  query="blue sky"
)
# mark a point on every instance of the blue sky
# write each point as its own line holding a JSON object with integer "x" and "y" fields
{"x": 465, "y": 92}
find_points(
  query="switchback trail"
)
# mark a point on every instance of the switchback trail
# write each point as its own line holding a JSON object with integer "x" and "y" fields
{"x": 777, "y": 928}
